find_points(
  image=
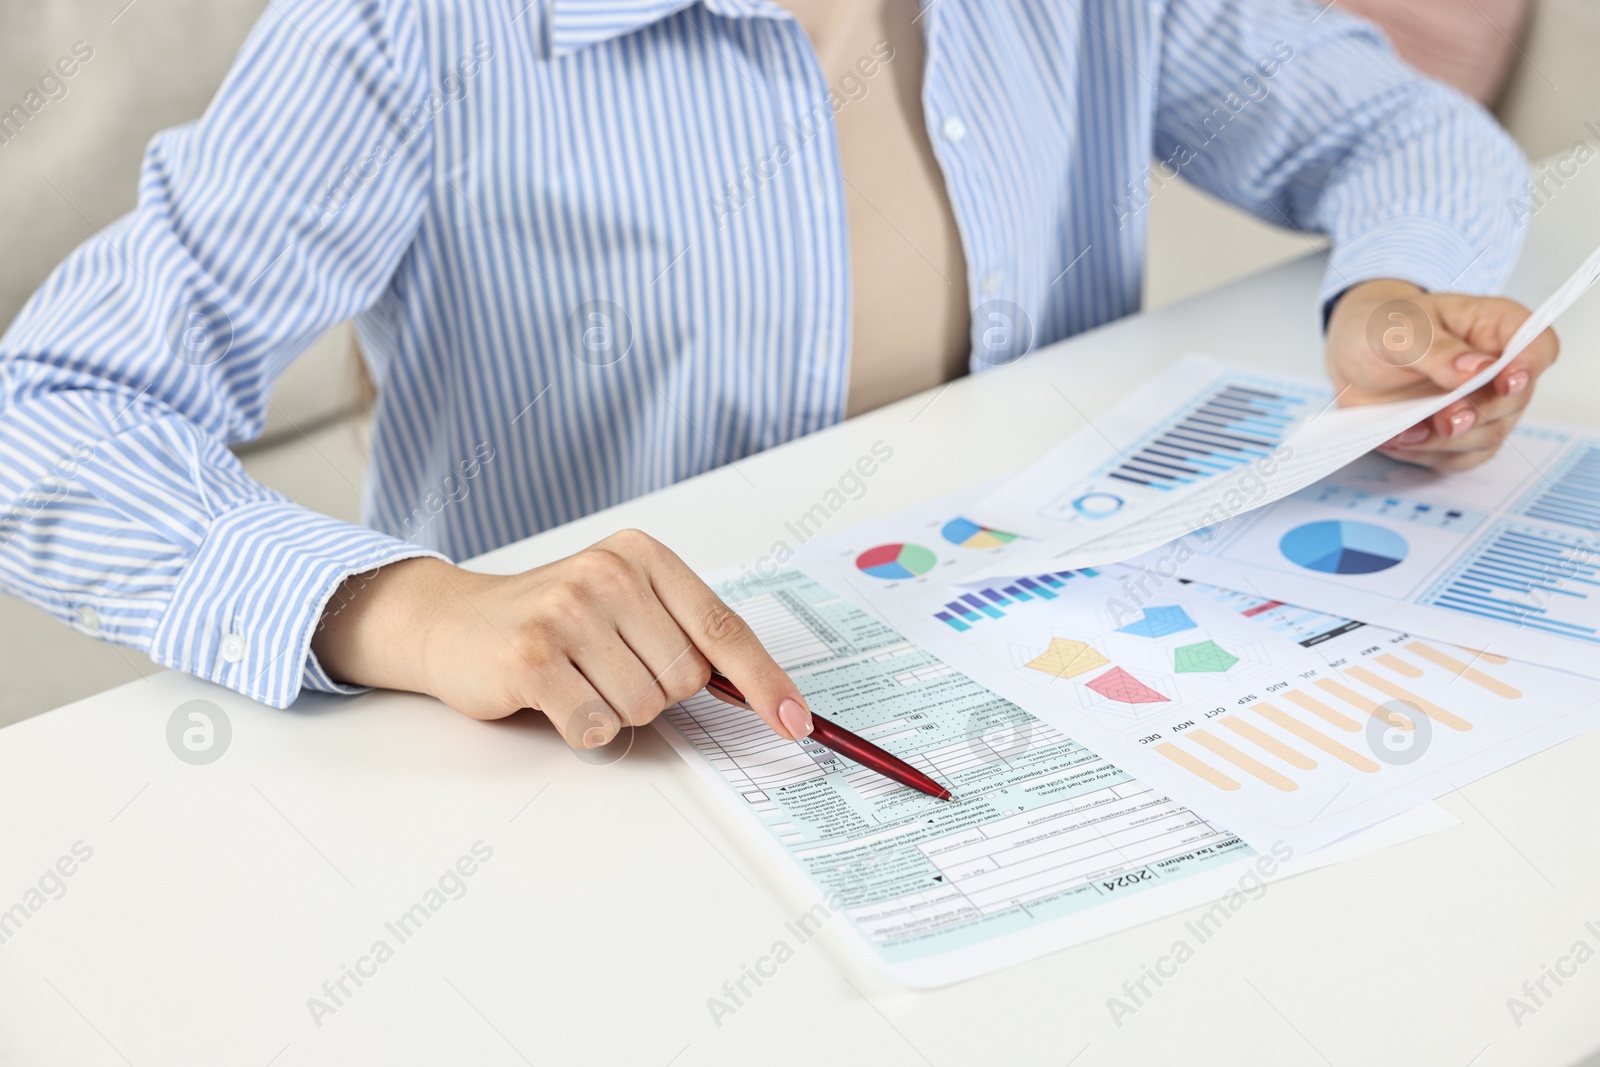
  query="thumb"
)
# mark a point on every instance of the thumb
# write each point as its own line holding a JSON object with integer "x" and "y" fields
{"x": 1451, "y": 361}
{"x": 1383, "y": 342}
{"x": 1471, "y": 333}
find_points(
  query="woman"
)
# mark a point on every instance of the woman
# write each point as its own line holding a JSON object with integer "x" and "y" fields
{"x": 595, "y": 247}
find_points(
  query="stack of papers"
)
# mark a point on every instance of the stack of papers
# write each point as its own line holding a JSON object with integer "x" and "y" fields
{"x": 1144, "y": 669}
{"x": 1281, "y": 723}
{"x": 1046, "y": 845}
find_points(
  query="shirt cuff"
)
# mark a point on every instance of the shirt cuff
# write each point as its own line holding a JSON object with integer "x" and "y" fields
{"x": 244, "y": 611}
{"x": 1426, "y": 252}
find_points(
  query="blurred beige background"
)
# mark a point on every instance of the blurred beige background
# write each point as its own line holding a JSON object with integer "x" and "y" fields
{"x": 73, "y": 166}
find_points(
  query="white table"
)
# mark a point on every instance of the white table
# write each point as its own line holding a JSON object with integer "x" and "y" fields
{"x": 619, "y": 898}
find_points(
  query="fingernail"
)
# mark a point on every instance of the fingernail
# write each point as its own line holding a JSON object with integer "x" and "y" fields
{"x": 795, "y": 718}
{"x": 1472, "y": 362}
{"x": 1461, "y": 422}
{"x": 1414, "y": 436}
{"x": 1517, "y": 382}
{"x": 594, "y": 737}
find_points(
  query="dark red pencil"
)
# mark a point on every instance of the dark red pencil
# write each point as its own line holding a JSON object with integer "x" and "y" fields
{"x": 846, "y": 743}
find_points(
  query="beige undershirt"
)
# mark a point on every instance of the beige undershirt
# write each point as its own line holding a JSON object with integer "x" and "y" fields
{"x": 909, "y": 329}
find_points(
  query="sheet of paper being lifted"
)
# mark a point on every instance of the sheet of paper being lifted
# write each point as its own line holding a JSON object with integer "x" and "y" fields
{"x": 1046, "y": 845}
{"x": 1235, "y": 442}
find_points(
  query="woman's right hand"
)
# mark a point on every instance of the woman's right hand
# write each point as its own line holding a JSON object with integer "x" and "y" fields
{"x": 608, "y": 637}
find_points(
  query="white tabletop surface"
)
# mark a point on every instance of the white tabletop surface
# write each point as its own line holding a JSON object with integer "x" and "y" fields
{"x": 618, "y": 898}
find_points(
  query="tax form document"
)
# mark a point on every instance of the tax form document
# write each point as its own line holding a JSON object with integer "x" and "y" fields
{"x": 1276, "y": 736}
{"x": 1212, "y": 449}
{"x": 1504, "y": 557}
{"x": 1046, "y": 844}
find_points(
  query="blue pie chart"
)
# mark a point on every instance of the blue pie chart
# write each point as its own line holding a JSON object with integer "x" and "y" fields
{"x": 1339, "y": 547}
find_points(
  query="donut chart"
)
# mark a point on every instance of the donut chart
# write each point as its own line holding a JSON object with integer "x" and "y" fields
{"x": 896, "y": 561}
{"x": 1098, "y": 505}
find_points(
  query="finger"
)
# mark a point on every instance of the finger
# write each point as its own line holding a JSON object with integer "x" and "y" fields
{"x": 1468, "y": 333}
{"x": 728, "y": 644}
{"x": 1483, "y": 326}
{"x": 1451, "y": 423}
{"x": 1412, "y": 437}
{"x": 1519, "y": 375}
{"x": 1454, "y": 421}
{"x": 1483, "y": 434}
{"x": 1462, "y": 421}
{"x": 1493, "y": 405}
{"x": 1450, "y": 361}
{"x": 579, "y": 714}
{"x": 620, "y": 678}
{"x": 678, "y": 669}
{"x": 1484, "y": 323}
{"x": 1485, "y": 439}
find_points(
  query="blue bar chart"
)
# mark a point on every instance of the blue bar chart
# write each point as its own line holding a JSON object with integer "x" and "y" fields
{"x": 1197, "y": 429}
{"x": 1572, "y": 495}
{"x": 1530, "y": 576}
{"x": 976, "y": 605}
{"x": 1232, "y": 426}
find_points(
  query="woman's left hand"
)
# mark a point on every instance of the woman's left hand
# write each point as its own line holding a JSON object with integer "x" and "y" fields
{"x": 1389, "y": 340}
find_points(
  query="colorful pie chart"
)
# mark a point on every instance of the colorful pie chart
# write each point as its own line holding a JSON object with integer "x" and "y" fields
{"x": 896, "y": 561}
{"x": 1340, "y": 547}
{"x": 968, "y": 534}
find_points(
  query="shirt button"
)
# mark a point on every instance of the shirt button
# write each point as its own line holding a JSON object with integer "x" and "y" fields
{"x": 990, "y": 284}
{"x": 816, "y": 186}
{"x": 953, "y": 128}
{"x": 89, "y": 619}
{"x": 233, "y": 648}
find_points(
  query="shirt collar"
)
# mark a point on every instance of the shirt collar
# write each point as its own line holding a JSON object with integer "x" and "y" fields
{"x": 577, "y": 24}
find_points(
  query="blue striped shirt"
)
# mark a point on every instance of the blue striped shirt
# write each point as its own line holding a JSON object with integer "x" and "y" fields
{"x": 592, "y": 247}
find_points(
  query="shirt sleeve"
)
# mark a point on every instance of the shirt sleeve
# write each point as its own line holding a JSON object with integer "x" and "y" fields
{"x": 285, "y": 210}
{"x": 1305, "y": 117}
